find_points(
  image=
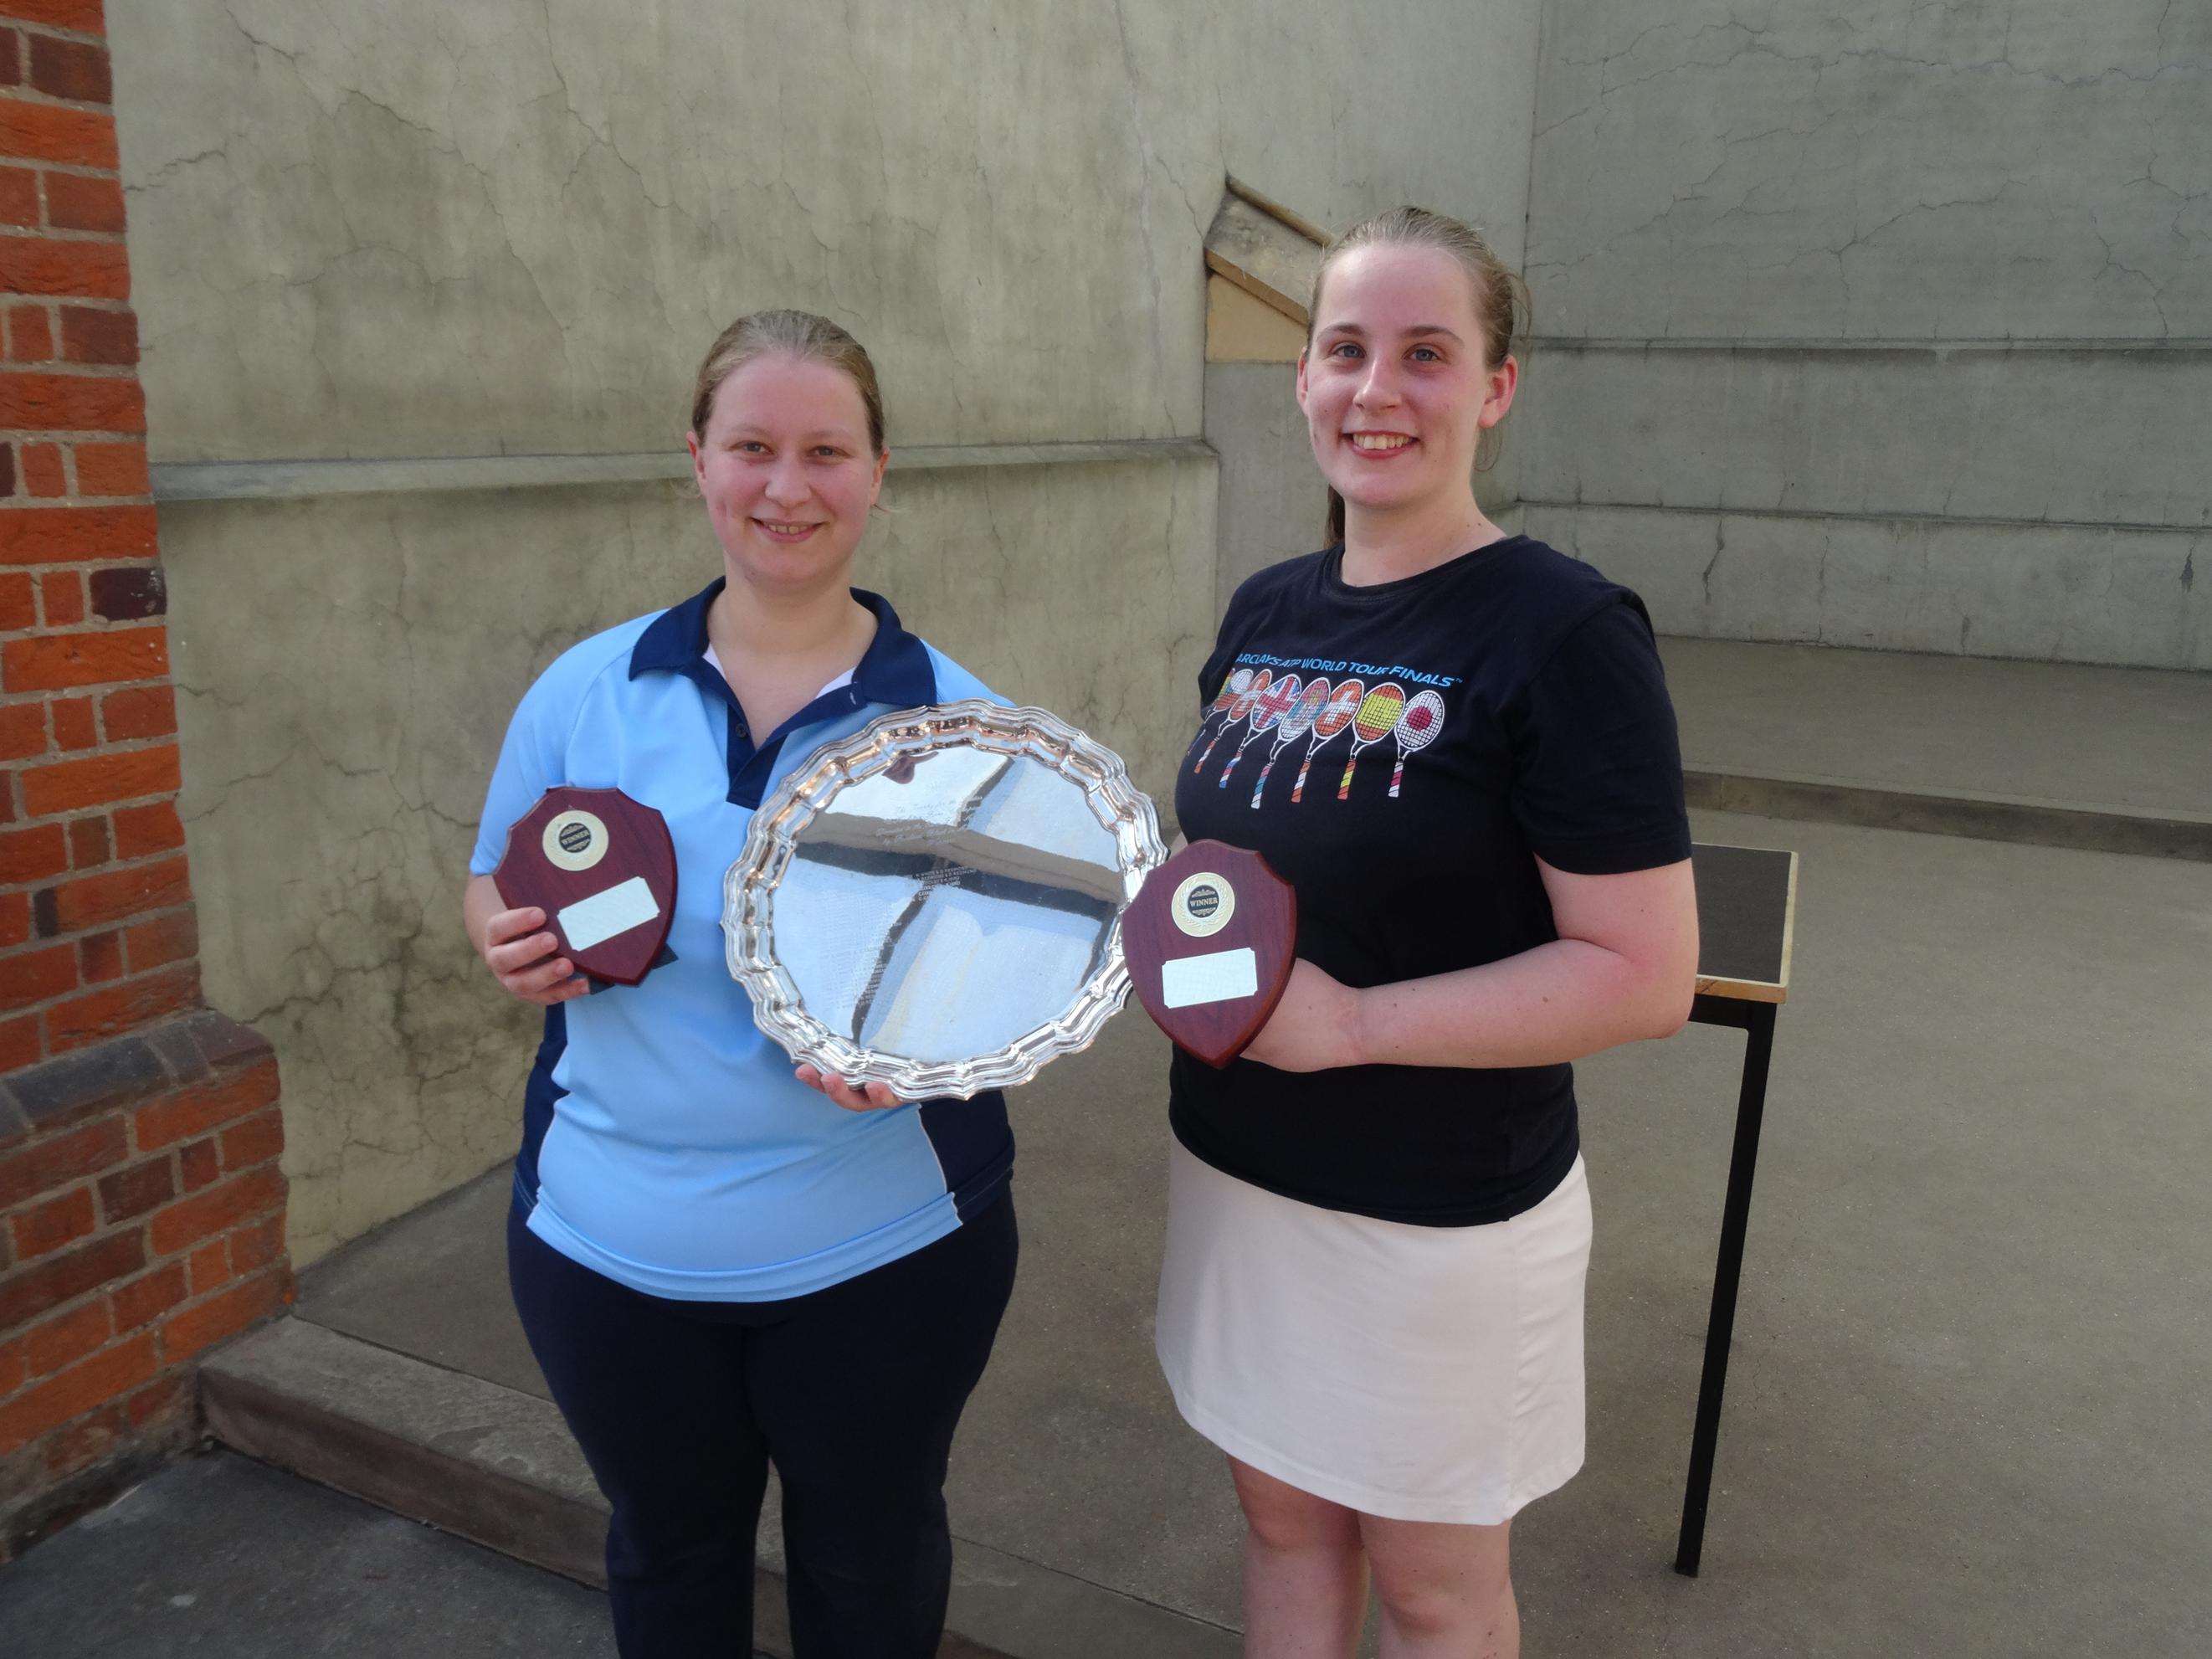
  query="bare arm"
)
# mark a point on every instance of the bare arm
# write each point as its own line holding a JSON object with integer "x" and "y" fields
{"x": 1624, "y": 968}
{"x": 520, "y": 955}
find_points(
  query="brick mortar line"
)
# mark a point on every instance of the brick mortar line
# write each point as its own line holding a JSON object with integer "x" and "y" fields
{"x": 75, "y": 169}
{"x": 81, "y": 814}
{"x": 17, "y": 301}
{"x": 77, "y": 816}
{"x": 120, "y": 745}
{"x": 89, "y": 620}
{"x": 169, "y": 907}
{"x": 72, "y": 368}
{"x": 112, "y": 866}
{"x": 95, "y": 692}
{"x": 38, "y": 571}
{"x": 47, "y": 1005}
{"x": 58, "y": 232}
{"x": 105, "y": 806}
{"x": 65, "y": 756}
{"x": 24, "y": 93}
{"x": 42, "y": 1009}
{"x": 89, "y": 627}
{"x": 15, "y": 767}
{"x": 7, "y": 503}
{"x": 54, "y": 29}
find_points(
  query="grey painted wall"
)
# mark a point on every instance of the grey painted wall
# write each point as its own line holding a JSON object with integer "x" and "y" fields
{"x": 415, "y": 229}
{"x": 1273, "y": 498}
{"x": 1883, "y": 324}
{"x": 420, "y": 228}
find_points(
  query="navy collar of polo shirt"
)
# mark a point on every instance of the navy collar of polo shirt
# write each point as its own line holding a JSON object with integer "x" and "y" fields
{"x": 895, "y": 671}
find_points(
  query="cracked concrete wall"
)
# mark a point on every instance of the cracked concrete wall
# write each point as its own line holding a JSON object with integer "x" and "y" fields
{"x": 1883, "y": 323}
{"x": 417, "y": 229}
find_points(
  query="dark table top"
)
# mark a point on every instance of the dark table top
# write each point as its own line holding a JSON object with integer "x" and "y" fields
{"x": 1746, "y": 914}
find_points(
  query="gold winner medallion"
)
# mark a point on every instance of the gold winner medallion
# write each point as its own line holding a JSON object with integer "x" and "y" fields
{"x": 1202, "y": 905}
{"x": 575, "y": 840}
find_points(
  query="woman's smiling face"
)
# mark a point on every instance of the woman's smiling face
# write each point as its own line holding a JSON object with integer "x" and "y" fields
{"x": 1396, "y": 386}
{"x": 788, "y": 472}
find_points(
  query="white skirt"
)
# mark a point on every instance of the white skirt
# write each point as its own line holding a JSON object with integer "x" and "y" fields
{"x": 1412, "y": 1373}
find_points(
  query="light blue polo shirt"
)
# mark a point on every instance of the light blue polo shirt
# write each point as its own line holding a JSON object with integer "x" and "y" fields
{"x": 665, "y": 1143}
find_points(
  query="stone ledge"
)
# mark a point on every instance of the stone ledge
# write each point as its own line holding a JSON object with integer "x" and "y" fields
{"x": 497, "y": 1466}
{"x": 122, "y": 1071}
{"x": 1976, "y": 816}
{"x": 281, "y": 480}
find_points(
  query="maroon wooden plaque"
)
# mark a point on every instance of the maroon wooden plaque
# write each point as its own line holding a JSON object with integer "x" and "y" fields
{"x": 1210, "y": 938}
{"x": 603, "y": 868}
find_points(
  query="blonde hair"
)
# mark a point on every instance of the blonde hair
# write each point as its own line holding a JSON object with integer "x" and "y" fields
{"x": 799, "y": 334}
{"x": 1501, "y": 298}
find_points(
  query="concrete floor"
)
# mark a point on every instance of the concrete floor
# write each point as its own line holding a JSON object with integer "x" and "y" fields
{"x": 219, "y": 1557}
{"x": 1969, "y": 1412}
{"x": 2021, "y": 730}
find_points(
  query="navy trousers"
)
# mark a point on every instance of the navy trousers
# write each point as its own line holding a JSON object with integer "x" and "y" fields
{"x": 853, "y": 1393}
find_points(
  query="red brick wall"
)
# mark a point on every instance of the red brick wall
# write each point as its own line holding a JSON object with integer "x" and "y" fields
{"x": 142, "y": 1209}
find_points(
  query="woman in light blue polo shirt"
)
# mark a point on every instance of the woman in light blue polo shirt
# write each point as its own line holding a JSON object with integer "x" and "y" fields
{"x": 720, "y": 1262}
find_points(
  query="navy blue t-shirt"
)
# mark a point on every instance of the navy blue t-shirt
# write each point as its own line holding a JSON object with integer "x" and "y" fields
{"x": 1403, "y": 753}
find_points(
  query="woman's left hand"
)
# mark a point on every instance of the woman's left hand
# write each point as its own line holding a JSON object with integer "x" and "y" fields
{"x": 1315, "y": 1028}
{"x": 869, "y": 1097}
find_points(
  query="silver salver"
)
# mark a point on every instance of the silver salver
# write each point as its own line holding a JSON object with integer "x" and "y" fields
{"x": 934, "y": 903}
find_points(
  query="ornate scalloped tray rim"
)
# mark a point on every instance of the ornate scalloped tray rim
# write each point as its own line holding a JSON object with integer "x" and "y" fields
{"x": 749, "y": 931}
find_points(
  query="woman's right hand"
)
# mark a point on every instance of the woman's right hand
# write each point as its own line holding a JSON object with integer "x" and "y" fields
{"x": 521, "y": 956}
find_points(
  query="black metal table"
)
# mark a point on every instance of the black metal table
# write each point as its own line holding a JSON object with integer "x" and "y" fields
{"x": 1746, "y": 915}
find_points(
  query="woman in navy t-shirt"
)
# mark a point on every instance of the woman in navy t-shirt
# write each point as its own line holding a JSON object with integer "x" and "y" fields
{"x": 1456, "y": 745}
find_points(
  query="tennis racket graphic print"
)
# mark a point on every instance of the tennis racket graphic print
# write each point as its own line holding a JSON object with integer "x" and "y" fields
{"x": 1296, "y": 724}
{"x": 1217, "y": 708}
{"x": 1378, "y": 713}
{"x": 1335, "y": 715}
{"x": 1417, "y": 729}
{"x": 1267, "y": 710}
{"x": 1232, "y": 699}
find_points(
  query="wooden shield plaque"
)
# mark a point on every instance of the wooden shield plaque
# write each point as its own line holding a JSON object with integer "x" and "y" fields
{"x": 1209, "y": 939}
{"x": 603, "y": 868}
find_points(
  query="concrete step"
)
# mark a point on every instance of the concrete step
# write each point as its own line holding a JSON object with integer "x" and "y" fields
{"x": 2115, "y": 760}
{"x": 1955, "y": 811}
{"x": 497, "y": 1466}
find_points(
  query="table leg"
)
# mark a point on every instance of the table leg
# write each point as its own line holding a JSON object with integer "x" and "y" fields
{"x": 1720, "y": 1328}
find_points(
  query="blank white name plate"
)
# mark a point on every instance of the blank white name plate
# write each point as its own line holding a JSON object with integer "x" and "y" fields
{"x": 592, "y": 920}
{"x": 1220, "y": 976}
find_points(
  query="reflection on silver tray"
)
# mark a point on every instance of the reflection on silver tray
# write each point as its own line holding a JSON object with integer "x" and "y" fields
{"x": 934, "y": 903}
